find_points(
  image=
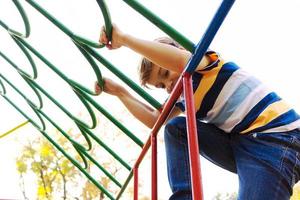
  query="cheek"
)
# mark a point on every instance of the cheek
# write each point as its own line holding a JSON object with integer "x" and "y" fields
{"x": 174, "y": 77}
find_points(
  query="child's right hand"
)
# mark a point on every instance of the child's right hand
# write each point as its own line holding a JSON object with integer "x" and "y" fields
{"x": 117, "y": 38}
{"x": 110, "y": 87}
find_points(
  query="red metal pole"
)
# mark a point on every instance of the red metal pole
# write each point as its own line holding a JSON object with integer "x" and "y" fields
{"x": 154, "y": 167}
{"x": 160, "y": 121}
{"x": 195, "y": 169}
{"x": 136, "y": 183}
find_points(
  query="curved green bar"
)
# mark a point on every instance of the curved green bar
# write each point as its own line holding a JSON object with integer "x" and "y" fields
{"x": 32, "y": 105}
{"x": 109, "y": 150}
{"x": 82, "y": 169}
{"x": 25, "y": 76}
{"x": 113, "y": 120}
{"x": 164, "y": 26}
{"x": 29, "y": 58}
{"x": 126, "y": 131}
{"x": 25, "y": 21}
{"x": 107, "y": 18}
{"x": 84, "y": 94}
{"x": 124, "y": 78}
{"x": 95, "y": 182}
{"x": 3, "y": 91}
{"x": 80, "y": 149}
{"x": 64, "y": 77}
{"x": 102, "y": 169}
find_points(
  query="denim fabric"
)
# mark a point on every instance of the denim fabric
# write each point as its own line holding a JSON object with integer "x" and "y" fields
{"x": 267, "y": 164}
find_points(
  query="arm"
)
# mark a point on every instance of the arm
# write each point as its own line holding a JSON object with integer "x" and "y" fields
{"x": 164, "y": 55}
{"x": 138, "y": 109}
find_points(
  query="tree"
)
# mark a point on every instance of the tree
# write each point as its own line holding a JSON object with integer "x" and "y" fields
{"x": 57, "y": 176}
{"x": 52, "y": 170}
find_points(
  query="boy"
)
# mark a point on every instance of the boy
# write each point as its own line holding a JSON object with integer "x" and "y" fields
{"x": 242, "y": 126}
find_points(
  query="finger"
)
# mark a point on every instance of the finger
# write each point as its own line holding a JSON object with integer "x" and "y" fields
{"x": 103, "y": 38}
{"x": 109, "y": 46}
{"x": 97, "y": 88}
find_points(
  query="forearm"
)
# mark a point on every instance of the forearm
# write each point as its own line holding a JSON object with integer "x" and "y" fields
{"x": 166, "y": 56}
{"x": 138, "y": 109}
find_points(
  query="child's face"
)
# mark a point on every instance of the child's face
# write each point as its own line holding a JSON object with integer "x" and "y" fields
{"x": 163, "y": 78}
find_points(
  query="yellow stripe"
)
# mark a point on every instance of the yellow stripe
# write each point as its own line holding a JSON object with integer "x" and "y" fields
{"x": 12, "y": 130}
{"x": 271, "y": 112}
{"x": 208, "y": 79}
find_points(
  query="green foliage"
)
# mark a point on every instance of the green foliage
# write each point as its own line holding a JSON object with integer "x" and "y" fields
{"x": 51, "y": 169}
{"x": 58, "y": 178}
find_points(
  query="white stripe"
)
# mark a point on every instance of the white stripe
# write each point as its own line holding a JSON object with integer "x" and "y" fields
{"x": 230, "y": 86}
{"x": 253, "y": 98}
{"x": 283, "y": 128}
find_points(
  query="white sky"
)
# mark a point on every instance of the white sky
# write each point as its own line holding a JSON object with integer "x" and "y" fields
{"x": 260, "y": 36}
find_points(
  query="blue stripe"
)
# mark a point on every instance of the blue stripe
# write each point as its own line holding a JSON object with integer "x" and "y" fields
{"x": 197, "y": 77}
{"x": 255, "y": 112}
{"x": 235, "y": 100}
{"x": 283, "y": 119}
{"x": 211, "y": 96}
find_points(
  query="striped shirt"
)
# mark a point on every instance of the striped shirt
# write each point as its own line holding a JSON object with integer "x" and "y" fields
{"x": 233, "y": 100}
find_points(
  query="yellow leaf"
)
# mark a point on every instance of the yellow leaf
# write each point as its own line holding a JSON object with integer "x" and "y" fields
{"x": 21, "y": 166}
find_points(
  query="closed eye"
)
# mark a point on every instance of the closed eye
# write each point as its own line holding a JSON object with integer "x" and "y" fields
{"x": 160, "y": 85}
{"x": 166, "y": 73}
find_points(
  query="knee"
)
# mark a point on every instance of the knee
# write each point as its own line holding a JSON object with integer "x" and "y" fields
{"x": 175, "y": 127}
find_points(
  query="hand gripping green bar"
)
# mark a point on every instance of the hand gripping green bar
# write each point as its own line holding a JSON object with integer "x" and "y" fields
{"x": 79, "y": 148}
{"x": 30, "y": 80}
{"x": 86, "y": 44}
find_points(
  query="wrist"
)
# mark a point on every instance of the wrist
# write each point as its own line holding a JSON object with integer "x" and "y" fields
{"x": 124, "y": 38}
{"x": 122, "y": 92}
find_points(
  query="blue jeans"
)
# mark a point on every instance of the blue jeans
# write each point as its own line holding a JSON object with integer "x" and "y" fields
{"x": 267, "y": 164}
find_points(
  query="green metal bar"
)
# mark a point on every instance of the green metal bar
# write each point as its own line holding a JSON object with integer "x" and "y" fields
{"x": 102, "y": 169}
{"x": 99, "y": 186}
{"x": 124, "y": 78}
{"x": 107, "y": 18}
{"x": 25, "y": 21}
{"x": 113, "y": 120}
{"x": 26, "y": 99}
{"x": 64, "y": 77}
{"x": 109, "y": 150}
{"x": 74, "y": 162}
{"x": 125, "y": 185}
{"x": 22, "y": 73}
{"x": 124, "y": 129}
{"x": 29, "y": 58}
{"x": 81, "y": 150}
{"x": 107, "y": 193}
{"x": 164, "y": 26}
{"x": 28, "y": 118}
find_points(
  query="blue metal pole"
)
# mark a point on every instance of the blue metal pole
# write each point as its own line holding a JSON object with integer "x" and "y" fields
{"x": 209, "y": 35}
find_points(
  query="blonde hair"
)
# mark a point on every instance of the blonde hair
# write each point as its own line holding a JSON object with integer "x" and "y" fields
{"x": 145, "y": 66}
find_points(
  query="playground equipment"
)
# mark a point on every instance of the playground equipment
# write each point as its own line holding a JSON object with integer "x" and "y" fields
{"x": 87, "y": 48}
